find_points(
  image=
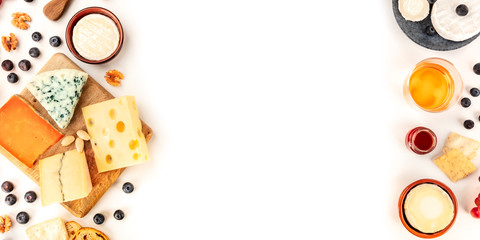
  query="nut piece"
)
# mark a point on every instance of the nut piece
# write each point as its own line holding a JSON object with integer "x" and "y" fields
{"x": 5, "y": 224}
{"x": 19, "y": 20}
{"x": 9, "y": 43}
{"x": 8, "y": 223}
{"x": 83, "y": 135}
{"x": 113, "y": 77}
{"x": 67, "y": 140}
{"x": 2, "y": 225}
{"x": 79, "y": 144}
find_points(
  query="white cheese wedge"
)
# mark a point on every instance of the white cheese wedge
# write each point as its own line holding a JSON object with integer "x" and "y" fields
{"x": 414, "y": 10}
{"x": 115, "y": 133}
{"x": 452, "y": 26}
{"x": 428, "y": 208}
{"x": 64, "y": 177}
{"x": 95, "y": 37}
{"x": 53, "y": 229}
{"x": 59, "y": 91}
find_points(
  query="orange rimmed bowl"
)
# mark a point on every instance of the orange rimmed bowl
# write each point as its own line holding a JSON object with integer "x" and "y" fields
{"x": 404, "y": 220}
{"x": 79, "y": 15}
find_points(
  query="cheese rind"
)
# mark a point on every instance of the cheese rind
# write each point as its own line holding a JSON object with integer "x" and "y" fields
{"x": 116, "y": 134}
{"x": 23, "y": 132}
{"x": 53, "y": 229}
{"x": 64, "y": 177}
{"x": 95, "y": 37}
{"x": 59, "y": 92}
{"x": 414, "y": 10}
{"x": 428, "y": 208}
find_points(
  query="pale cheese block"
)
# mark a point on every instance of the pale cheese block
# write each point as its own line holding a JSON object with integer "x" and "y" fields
{"x": 414, "y": 10}
{"x": 53, "y": 229}
{"x": 428, "y": 208}
{"x": 95, "y": 37}
{"x": 450, "y": 25}
{"x": 116, "y": 133}
{"x": 64, "y": 177}
{"x": 59, "y": 92}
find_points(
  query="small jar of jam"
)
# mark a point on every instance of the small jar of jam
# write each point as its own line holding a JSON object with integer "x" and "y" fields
{"x": 421, "y": 140}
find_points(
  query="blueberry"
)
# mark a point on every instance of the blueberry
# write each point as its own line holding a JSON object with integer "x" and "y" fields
{"x": 98, "y": 218}
{"x": 10, "y": 199}
{"x": 30, "y": 197}
{"x": 465, "y": 102}
{"x": 7, "y": 186}
{"x": 23, "y": 217}
{"x": 12, "y": 78}
{"x": 24, "y": 65}
{"x": 475, "y": 92}
{"x": 55, "y": 41}
{"x": 468, "y": 124}
{"x": 28, "y": 0}
{"x": 430, "y": 31}
{"x": 462, "y": 10}
{"x": 476, "y": 68}
{"x": 128, "y": 187}
{"x": 119, "y": 215}
{"x": 34, "y": 52}
{"x": 7, "y": 65}
{"x": 36, "y": 36}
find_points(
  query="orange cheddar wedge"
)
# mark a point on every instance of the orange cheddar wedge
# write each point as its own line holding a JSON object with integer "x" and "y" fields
{"x": 24, "y": 133}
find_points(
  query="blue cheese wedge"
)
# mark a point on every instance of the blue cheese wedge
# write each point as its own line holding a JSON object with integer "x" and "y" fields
{"x": 59, "y": 91}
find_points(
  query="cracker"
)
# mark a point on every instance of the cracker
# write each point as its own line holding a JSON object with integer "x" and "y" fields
{"x": 72, "y": 228}
{"x": 468, "y": 146}
{"x": 455, "y": 164}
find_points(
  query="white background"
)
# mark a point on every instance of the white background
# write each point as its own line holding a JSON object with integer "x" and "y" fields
{"x": 272, "y": 119}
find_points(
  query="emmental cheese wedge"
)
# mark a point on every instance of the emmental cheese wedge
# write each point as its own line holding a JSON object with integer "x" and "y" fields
{"x": 116, "y": 133}
{"x": 59, "y": 92}
{"x": 23, "y": 133}
{"x": 64, "y": 177}
{"x": 53, "y": 229}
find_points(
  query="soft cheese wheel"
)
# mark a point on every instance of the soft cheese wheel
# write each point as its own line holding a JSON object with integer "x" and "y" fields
{"x": 428, "y": 208}
{"x": 95, "y": 37}
{"x": 414, "y": 10}
{"x": 452, "y": 26}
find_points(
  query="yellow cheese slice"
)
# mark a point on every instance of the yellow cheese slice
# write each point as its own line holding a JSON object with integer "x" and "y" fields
{"x": 64, "y": 177}
{"x": 116, "y": 133}
{"x": 53, "y": 229}
{"x": 428, "y": 208}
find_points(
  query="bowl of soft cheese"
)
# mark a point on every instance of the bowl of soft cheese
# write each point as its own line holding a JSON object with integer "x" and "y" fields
{"x": 94, "y": 35}
{"x": 427, "y": 208}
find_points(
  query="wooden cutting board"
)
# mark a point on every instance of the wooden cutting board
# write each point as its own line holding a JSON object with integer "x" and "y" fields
{"x": 93, "y": 92}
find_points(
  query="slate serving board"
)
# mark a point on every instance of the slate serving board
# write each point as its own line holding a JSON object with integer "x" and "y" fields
{"x": 93, "y": 92}
{"x": 416, "y": 32}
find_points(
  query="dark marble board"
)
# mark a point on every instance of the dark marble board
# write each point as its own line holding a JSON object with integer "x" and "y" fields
{"x": 416, "y": 32}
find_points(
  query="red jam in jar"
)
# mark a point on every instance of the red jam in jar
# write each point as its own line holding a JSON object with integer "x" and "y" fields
{"x": 421, "y": 140}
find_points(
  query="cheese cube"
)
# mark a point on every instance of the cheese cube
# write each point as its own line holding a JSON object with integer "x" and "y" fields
{"x": 64, "y": 177}
{"x": 116, "y": 133}
{"x": 53, "y": 229}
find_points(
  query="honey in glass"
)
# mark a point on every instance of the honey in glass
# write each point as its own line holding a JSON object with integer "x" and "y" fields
{"x": 433, "y": 85}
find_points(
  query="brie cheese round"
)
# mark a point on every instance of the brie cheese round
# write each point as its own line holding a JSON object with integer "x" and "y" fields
{"x": 428, "y": 208}
{"x": 95, "y": 37}
{"x": 452, "y": 26}
{"x": 414, "y": 10}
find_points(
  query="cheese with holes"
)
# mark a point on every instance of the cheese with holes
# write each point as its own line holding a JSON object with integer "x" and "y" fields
{"x": 116, "y": 133}
{"x": 59, "y": 91}
{"x": 64, "y": 177}
{"x": 23, "y": 133}
{"x": 53, "y": 229}
{"x": 428, "y": 208}
{"x": 95, "y": 37}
